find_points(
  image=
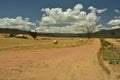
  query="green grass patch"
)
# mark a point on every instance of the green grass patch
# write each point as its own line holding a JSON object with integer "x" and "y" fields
{"x": 109, "y": 53}
{"x": 105, "y": 43}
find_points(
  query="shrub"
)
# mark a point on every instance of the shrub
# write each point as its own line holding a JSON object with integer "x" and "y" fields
{"x": 11, "y": 35}
{"x": 33, "y": 34}
{"x": 105, "y": 43}
{"x": 106, "y": 54}
{"x": 111, "y": 61}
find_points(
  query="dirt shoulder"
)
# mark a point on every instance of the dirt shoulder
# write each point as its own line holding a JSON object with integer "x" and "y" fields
{"x": 78, "y": 63}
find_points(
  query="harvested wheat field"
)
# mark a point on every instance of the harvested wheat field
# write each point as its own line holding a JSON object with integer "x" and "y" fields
{"x": 15, "y": 44}
{"x": 72, "y": 63}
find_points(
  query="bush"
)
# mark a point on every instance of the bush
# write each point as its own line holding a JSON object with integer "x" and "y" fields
{"x": 11, "y": 35}
{"x": 33, "y": 34}
{"x": 111, "y": 61}
{"x": 105, "y": 43}
{"x": 106, "y": 54}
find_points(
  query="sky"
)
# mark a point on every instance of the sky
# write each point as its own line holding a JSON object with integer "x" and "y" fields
{"x": 59, "y": 16}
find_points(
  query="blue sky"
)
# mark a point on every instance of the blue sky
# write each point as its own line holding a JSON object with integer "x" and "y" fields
{"x": 32, "y": 8}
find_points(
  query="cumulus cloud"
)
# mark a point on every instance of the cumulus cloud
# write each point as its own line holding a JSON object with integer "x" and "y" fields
{"x": 114, "y": 22}
{"x": 78, "y": 7}
{"x": 58, "y": 16}
{"x": 101, "y": 27}
{"x": 17, "y": 23}
{"x": 117, "y": 11}
{"x": 94, "y": 10}
{"x": 115, "y": 27}
{"x": 71, "y": 20}
{"x": 58, "y": 29}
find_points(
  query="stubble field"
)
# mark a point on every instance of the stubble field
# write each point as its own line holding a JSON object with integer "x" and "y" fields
{"x": 10, "y": 44}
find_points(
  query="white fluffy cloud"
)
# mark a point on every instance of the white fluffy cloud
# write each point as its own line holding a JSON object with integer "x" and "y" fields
{"x": 114, "y": 22}
{"x": 78, "y": 7}
{"x": 68, "y": 21}
{"x": 101, "y": 27}
{"x": 115, "y": 27}
{"x": 117, "y": 11}
{"x": 17, "y": 23}
{"x": 70, "y": 16}
{"x": 56, "y": 29}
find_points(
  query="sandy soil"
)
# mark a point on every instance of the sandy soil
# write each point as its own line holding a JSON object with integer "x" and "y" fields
{"x": 78, "y": 63}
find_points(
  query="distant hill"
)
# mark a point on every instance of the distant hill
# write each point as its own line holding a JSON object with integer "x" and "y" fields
{"x": 13, "y": 31}
{"x": 114, "y": 33}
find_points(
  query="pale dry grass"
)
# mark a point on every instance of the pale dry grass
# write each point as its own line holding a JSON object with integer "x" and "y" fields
{"x": 114, "y": 41}
{"x": 9, "y": 44}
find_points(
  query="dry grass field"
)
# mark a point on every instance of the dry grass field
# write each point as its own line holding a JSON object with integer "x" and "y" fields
{"x": 10, "y": 44}
{"x": 114, "y": 41}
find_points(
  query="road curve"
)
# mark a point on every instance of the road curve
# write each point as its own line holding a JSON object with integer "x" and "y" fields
{"x": 78, "y": 63}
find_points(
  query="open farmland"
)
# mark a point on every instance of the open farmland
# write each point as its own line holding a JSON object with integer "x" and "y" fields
{"x": 9, "y": 44}
{"x": 73, "y": 63}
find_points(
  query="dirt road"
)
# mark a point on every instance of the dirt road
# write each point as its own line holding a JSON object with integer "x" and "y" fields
{"x": 78, "y": 63}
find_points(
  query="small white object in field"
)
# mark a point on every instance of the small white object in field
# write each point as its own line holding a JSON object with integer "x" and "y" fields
{"x": 81, "y": 40}
{"x": 55, "y": 41}
{"x": 118, "y": 40}
{"x": 21, "y": 36}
